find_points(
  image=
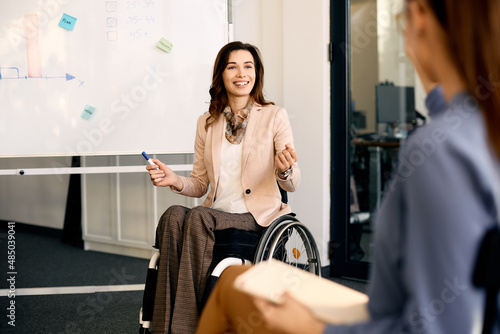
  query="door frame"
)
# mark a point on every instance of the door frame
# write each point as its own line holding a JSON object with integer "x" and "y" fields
{"x": 340, "y": 265}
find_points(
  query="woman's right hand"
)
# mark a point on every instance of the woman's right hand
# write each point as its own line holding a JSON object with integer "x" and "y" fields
{"x": 162, "y": 176}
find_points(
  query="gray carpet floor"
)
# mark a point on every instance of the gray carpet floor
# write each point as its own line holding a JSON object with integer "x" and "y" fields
{"x": 42, "y": 260}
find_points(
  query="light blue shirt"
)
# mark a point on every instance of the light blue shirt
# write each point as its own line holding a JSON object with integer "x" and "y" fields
{"x": 433, "y": 215}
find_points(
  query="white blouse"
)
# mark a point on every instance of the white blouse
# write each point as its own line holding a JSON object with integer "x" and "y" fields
{"x": 229, "y": 193}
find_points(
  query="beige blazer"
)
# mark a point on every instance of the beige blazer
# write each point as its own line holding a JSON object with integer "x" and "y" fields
{"x": 268, "y": 130}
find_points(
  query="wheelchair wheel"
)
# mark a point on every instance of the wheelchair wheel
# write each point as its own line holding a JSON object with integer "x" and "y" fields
{"x": 289, "y": 241}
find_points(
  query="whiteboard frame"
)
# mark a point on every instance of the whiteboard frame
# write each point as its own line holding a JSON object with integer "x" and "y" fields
{"x": 87, "y": 170}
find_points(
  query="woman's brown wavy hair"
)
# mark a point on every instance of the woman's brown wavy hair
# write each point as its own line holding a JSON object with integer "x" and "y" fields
{"x": 218, "y": 94}
{"x": 473, "y": 30}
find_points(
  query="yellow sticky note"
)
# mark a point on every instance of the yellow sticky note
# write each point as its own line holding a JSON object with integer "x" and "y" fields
{"x": 164, "y": 45}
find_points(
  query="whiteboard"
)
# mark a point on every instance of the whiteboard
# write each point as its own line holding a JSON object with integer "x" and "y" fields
{"x": 145, "y": 99}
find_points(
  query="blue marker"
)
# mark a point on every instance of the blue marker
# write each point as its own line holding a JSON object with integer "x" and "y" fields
{"x": 148, "y": 159}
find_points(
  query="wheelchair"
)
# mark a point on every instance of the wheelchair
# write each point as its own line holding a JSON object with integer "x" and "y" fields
{"x": 285, "y": 239}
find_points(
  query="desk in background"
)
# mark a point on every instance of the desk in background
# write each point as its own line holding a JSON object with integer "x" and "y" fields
{"x": 372, "y": 162}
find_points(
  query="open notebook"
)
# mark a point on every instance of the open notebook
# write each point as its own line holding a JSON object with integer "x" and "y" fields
{"x": 329, "y": 301}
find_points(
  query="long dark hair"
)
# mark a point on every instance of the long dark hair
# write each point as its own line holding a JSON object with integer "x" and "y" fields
{"x": 218, "y": 94}
{"x": 473, "y": 31}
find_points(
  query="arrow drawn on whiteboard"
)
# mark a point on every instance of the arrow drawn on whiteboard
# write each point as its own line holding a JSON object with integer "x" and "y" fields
{"x": 16, "y": 75}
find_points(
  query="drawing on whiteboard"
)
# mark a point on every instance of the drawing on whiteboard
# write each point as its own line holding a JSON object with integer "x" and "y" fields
{"x": 13, "y": 73}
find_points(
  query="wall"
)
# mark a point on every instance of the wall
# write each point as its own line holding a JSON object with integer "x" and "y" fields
{"x": 121, "y": 211}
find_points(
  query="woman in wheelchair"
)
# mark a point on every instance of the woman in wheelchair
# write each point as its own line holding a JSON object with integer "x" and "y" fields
{"x": 243, "y": 151}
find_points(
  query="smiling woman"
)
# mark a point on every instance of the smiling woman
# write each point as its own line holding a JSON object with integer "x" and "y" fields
{"x": 243, "y": 150}
{"x": 239, "y": 76}
{"x": 234, "y": 60}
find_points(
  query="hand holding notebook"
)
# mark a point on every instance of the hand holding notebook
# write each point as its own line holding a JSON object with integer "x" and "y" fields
{"x": 329, "y": 301}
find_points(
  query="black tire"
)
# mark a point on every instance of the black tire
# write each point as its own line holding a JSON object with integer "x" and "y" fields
{"x": 289, "y": 241}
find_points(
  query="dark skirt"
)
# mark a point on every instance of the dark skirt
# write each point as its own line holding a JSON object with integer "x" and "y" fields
{"x": 185, "y": 238}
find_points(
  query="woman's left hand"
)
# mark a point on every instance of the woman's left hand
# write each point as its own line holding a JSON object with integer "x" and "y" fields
{"x": 286, "y": 158}
{"x": 290, "y": 317}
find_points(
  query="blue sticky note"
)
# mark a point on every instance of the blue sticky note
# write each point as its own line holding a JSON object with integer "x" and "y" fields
{"x": 87, "y": 112}
{"x": 67, "y": 22}
{"x": 85, "y": 115}
{"x": 164, "y": 45}
{"x": 89, "y": 109}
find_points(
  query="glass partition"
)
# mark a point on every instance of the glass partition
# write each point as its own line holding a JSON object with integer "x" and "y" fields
{"x": 383, "y": 104}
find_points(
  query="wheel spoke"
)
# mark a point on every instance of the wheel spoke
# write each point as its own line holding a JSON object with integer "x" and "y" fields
{"x": 292, "y": 243}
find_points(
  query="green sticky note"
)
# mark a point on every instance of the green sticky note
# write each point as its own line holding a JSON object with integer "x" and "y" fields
{"x": 164, "y": 45}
